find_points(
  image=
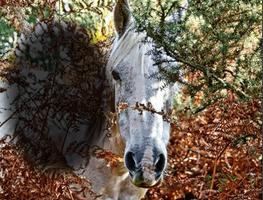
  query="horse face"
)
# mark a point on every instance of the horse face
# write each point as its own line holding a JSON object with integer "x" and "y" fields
{"x": 145, "y": 134}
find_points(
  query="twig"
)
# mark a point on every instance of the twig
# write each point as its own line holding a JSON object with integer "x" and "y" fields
{"x": 207, "y": 70}
{"x": 10, "y": 117}
{"x": 215, "y": 165}
{"x": 140, "y": 107}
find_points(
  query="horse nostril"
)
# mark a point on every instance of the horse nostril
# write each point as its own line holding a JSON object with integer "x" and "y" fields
{"x": 130, "y": 161}
{"x": 160, "y": 163}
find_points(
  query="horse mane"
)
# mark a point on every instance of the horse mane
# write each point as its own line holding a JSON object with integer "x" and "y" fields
{"x": 123, "y": 46}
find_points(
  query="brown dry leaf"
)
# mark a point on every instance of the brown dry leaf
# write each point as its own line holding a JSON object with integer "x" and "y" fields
{"x": 110, "y": 158}
{"x": 122, "y": 106}
{"x": 22, "y": 180}
{"x": 197, "y": 141}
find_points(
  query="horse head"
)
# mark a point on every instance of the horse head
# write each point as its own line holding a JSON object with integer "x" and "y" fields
{"x": 145, "y": 133}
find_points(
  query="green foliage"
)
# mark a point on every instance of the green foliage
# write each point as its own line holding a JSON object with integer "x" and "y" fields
{"x": 18, "y": 16}
{"x": 7, "y": 37}
{"x": 216, "y": 45}
{"x": 93, "y": 15}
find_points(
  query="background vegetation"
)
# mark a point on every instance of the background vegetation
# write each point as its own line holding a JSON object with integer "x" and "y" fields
{"x": 217, "y": 45}
{"x": 215, "y": 144}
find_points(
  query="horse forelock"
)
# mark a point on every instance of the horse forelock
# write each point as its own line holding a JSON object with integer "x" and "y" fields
{"x": 132, "y": 44}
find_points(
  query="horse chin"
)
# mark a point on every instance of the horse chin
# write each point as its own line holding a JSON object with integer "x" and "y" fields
{"x": 147, "y": 185}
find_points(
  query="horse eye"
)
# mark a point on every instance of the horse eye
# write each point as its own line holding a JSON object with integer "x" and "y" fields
{"x": 116, "y": 75}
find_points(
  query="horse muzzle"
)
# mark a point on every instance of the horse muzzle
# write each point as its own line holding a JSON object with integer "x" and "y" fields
{"x": 145, "y": 179}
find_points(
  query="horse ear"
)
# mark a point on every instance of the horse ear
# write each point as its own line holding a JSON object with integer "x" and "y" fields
{"x": 122, "y": 16}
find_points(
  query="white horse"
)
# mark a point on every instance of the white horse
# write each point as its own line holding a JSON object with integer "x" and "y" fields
{"x": 145, "y": 135}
